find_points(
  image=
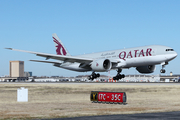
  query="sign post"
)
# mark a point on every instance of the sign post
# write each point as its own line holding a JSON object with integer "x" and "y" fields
{"x": 22, "y": 95}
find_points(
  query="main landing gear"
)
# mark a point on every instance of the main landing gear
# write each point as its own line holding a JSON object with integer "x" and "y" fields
{"x": 119, "y": 76}
{"x": 93, "y": 76}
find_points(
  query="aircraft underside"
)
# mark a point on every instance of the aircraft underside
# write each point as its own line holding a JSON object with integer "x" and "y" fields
{"x": 145, "y": 68}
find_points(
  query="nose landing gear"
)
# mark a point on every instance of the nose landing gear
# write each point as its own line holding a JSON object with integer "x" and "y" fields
{"x": 163, "y": 66}
{"x": 162, "y": 70}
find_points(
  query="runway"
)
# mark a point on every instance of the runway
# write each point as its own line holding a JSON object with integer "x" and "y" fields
{"x": 144, "y": 116}
{"x": 71, "y": 100}
{"x": 100, "y": 83}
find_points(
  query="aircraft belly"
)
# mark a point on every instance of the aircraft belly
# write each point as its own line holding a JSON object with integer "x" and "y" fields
{"x": 133, "y": 62}
{"x": 74, "y": 67}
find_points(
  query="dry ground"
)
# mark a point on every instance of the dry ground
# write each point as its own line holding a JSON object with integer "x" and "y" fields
{"x": 71, "y": 100}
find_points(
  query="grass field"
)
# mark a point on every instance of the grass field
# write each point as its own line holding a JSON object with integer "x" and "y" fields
{"x": 72, "y": 100}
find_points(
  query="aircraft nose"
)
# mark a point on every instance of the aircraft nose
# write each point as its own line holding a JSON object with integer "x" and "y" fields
{"x": 172, "y": 56}
{"x": 175, "y": 54}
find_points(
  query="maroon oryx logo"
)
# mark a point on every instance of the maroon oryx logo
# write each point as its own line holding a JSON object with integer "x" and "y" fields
{"x": 60, "y": 49}
{"x": 97, "y": 64}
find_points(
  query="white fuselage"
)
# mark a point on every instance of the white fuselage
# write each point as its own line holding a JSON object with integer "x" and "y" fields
{"x": 131, "y": 57}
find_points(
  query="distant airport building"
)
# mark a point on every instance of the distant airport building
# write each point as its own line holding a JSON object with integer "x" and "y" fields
{"x": 16, "y": 68}
{"x": 27, "y": 74}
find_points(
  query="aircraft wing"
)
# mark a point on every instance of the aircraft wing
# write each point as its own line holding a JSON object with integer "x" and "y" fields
{"x": 57, "y": 57}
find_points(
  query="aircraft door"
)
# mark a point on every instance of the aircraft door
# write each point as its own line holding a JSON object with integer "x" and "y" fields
{"x": 154, "y": 51}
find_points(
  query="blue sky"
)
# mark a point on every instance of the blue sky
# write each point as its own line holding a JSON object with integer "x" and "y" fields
{"x": 85, "y": 27}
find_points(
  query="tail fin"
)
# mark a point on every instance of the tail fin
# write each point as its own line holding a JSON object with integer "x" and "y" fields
{"x": 60, "y": 49}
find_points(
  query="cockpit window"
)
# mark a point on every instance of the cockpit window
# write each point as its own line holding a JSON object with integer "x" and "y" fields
{"x": 169, "y": 49}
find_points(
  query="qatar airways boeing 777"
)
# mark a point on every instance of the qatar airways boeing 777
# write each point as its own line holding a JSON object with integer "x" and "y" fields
{"x": 142, "y": 58}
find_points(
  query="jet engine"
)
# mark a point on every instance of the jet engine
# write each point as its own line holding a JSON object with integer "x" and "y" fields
{"x": 101, "y": 65}
{"x": 146, "y": 69}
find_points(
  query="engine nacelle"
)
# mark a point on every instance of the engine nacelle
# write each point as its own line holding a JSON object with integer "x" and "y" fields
{"x": 146, "y": 69}
{"x": 101, "y": 65}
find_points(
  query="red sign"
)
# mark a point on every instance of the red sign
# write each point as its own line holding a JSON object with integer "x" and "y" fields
{"x": 108, "y": 96}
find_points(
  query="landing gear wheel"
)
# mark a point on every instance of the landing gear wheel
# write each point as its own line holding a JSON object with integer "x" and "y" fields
{"x": 163, "y": 71}
{"x": 98, "y": 75}
{"x": 118, "y": 76}
{"x": 89, "y": 77}
{"x": 123, "y": 76}
{"x": 115, "y": 78}
{"x": 93, "y": 75}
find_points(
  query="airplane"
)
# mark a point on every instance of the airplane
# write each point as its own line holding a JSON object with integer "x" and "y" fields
{"x": 144, "y": 59}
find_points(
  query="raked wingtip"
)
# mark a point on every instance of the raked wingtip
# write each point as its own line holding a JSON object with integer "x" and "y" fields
{"x": 8, "y": 48}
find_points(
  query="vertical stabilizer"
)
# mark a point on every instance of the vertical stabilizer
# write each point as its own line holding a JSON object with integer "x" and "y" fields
{"x": 60, "y": 48}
